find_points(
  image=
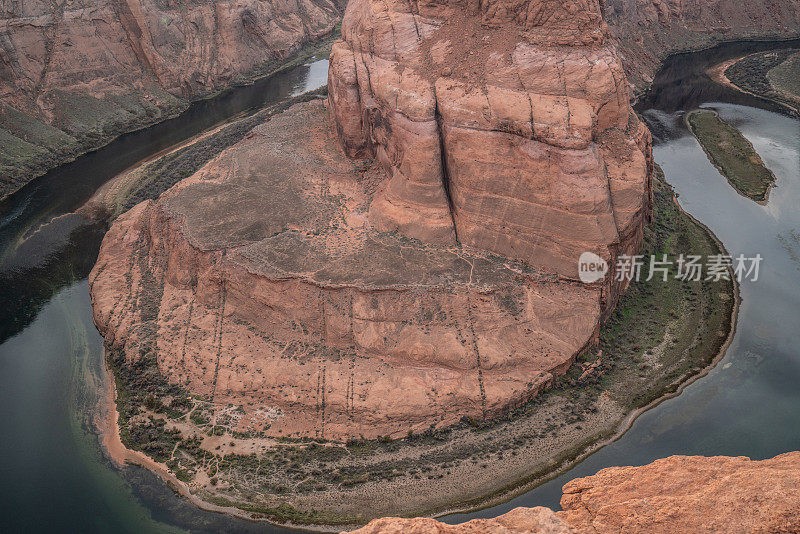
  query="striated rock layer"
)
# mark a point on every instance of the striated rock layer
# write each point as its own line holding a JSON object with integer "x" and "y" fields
{"x": 259, "y": 282}
{"x": 676, "y": 494}
{"x": 108, "y": 47}
{"x": 431, "y": 277}
{"x": 538, "y": 520}
{"x": 74, "y": 73}
{"x": 504, "y": 126}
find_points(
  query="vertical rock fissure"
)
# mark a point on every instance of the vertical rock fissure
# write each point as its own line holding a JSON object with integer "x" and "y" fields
{"x": 471, "y": 323}
{"x": 218, "y": 329}
{"x": 361, "y": 124}
{"x": 414, "y": 18}
{"x": 218, "y": 325}
{"x": 445, "y": 169}
{"x": 351, "y": 383}
{"x": 322, "y": 403}
{"x": 134, "y": 33}
{"x": 186, "y": 333}
{"x": 118, "y": 312}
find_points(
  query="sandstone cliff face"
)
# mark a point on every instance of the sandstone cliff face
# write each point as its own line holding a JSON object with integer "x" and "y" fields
{"x": 259, "y": 282}
{"x": 505, "y": 127}
{"x": 676, "y": 494}
{"x": 649, "y": 31}
{"x": 327, "y": 296}
{"x": 688, "y": 494}
{"x": 74, "y": 73}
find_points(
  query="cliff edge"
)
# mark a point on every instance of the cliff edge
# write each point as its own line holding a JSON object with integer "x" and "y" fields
{"x": 74, "y": 75}
{"x": 675, "y": 494}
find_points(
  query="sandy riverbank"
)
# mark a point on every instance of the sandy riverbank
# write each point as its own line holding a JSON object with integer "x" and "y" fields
{"x": 107, "y": 424}
{"x": 717, "y": 73}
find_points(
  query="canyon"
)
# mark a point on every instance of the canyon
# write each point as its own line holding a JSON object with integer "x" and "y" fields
{"x": 75, "y": 75}
{"x": 393, "y": 261}
{"x": 397, "y": 260}
{"x": 648, "y": 31}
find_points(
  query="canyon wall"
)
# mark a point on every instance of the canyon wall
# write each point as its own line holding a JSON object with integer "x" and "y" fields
{"x": 76, "y": 73}
{"x": 675, "y": 494}
{"x": 649, "y": 31}
{"x": 505, "y": 127}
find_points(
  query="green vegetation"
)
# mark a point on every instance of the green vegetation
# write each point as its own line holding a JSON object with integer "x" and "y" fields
{"x": 785, "y": 78}
{"x": 774, "y": 75}
{"x": 27, "y": 145}
{"x": 30, "y": 147}
{"x": 144, "y": 402}
{"x": 286, "y": 513}
{"x": 732, "y": 154}
{"x": 660, "y": 334}
{"x": 750, "y": 72}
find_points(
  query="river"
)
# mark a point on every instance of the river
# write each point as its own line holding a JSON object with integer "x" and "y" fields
{"x": 55, "y": 477}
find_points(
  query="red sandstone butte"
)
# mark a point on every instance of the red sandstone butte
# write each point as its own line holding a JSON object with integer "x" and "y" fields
{"x": 673, "y": 495}
{"x": 506, "y": 127}
{"x": 405, "y": 256}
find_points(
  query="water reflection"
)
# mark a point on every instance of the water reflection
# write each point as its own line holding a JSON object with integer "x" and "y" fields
{"x": 50, "y": 353}
{"x": 683, "y": 84}
{"x": 55, "y": 478}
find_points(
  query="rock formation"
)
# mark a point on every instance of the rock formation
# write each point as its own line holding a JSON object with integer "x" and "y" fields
{"x": 676, "y": 494}
{"x": 689, "y": 494}
{"x": 648, "y": 30}
{"x": 537, "y": 520}
{"x": 429, "y": 272}
{"x": 505, "y": 127}
{"x": 75, "y": 74}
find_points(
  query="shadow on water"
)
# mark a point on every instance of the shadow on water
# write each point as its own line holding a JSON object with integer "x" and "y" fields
{"x": 55, "y": 477}
{"x": 683, "y": 84}
{"x": 43, "y": 246}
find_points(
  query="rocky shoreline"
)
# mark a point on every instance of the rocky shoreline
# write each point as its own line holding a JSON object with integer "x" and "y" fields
{"x": 649, "y": 32}
{"x": 747, "y": 175}
{"x": 607, "y": 426}
{"x": 706, "y": 494}
{"x": 365, "y": 301}
{"x": 754, "y": 74}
